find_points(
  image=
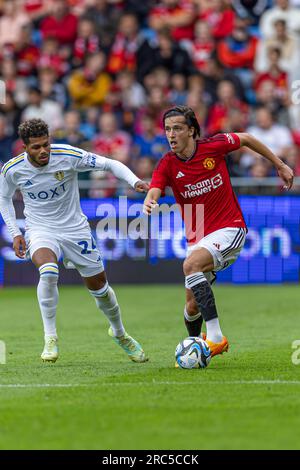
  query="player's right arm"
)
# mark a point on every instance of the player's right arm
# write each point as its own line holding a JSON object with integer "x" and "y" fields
{"x": 7, "y": 210}
{"x": 157, "y": 186}
{"x": 151, "y": 199}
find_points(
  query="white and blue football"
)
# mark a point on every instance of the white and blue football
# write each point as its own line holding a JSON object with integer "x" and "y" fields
{"x": 193, "y": 353}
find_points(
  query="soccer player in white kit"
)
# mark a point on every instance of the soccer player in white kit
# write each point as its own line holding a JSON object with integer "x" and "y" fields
{"x": 46, "y": 175}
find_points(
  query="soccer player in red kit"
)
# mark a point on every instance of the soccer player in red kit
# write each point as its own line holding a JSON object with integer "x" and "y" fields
{"x": 197, "y": 173}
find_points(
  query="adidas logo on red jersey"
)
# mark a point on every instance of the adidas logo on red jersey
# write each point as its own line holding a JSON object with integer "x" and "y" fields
{"x": 179, "y": 174}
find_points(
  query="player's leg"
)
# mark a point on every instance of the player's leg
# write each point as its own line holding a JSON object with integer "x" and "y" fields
{"x": 216, "y": 251}
{"x": 197, "y": 263}
{"x": 47, "y": 293}
{"x": 106, "y": 301}
{"x": 192, "y": 317}
{"x": 80, "y": 252}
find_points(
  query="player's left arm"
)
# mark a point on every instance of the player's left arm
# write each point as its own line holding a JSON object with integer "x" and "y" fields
{"x": 283, "y": 170}
{"x": 92, "y": 161}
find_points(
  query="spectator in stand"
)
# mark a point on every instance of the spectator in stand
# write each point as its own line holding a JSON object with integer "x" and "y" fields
{"x": 275, "y": 136}
{"x": 6, "y": 141}
{"x": 144, "y": 167}
{"x": 292, "y": 158}
{"x": 70, "y": 133}
{"x": 196, "y": 102}
{"x": 237, "y": 52}
{"x": 13, "y": 83}
{"x": 203, "y": 46}
{"x": 90, "y": 85}
{"x": 51, "y": 56}
{"x": 176, "y": 15}
{"x": 266, "y": 96}
{"x": 164, "y": 52}
{"x": 281, "y": 11}
{"x": 216, "y": 72}
{"x": 253, "y": 7}
{"x": 123, "y": 51}
{"x": 87, "y": 41}
{"x": 39, "y": 108}
{"x": 275, "y": 74}
{"x": 220, "y": 111}
{"x": 88, "y": 126}
{"x": 11, "y": 23}
{"x": 132, "y": 93}
{"x": 12, "y": 112}
{"x": 37, "y": 9}
{"x": 288, "y": 45}
{"x": 26, "y": 53}
{"x": 178, "y": 93}
{"x": 113, "y": 104}
{"x": 50, "y": 86}
{"x": 259, "y": 169}
{"x": 218, "y": 15}
{"x": 106, "y": 18}
{"x": 111, "y": 141}
{"x": 157, "y": 103}
{"x": 149, "y": 142}
{"x": 60, "y": 23}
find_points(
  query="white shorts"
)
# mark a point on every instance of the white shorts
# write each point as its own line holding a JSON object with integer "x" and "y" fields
{"x": 78, "y": 250}
{"x": 224, "y": 245}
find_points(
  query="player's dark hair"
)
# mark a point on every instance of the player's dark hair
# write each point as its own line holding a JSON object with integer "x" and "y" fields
{"x": 32, "y": 128}
{"x": 188, "y": 114}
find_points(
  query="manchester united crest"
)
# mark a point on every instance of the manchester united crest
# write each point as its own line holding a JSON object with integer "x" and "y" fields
{"x": 59, "y": 175}
{"x": 209, "y": 163}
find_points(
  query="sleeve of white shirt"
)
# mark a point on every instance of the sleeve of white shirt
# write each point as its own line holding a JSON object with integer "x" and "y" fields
{"x": 91, "y": 161}
{"x": 7, "y": 190}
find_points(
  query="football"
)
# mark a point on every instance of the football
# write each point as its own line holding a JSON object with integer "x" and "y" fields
{"x": 192, "y": 353}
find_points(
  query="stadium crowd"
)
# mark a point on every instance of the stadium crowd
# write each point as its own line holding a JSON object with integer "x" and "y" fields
{"x": 102, "y": 72}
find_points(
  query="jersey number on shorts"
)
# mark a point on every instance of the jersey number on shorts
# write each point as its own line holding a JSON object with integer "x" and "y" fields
{"x": 85, "y": 245}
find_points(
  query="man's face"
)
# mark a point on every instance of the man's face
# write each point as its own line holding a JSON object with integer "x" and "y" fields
{"x": 178, "y": 133}
{"x": 38, "y": 150}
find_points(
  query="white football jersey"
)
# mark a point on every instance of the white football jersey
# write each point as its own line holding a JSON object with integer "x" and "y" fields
{"x": 50, "y": 192}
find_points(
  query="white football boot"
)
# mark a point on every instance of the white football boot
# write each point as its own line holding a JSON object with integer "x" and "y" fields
{"x": 50, "y": 352}
{"x": 132, "y": 348}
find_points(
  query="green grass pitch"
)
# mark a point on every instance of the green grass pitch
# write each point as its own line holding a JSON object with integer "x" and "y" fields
{"x": 97, "y": 399}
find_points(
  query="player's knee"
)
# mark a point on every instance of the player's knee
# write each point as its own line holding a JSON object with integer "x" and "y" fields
{"x": 190, "y": 266}
{"x": 49, "y": 273}
{"x": 192, "y": 308}
{"x": 102, "y": 292}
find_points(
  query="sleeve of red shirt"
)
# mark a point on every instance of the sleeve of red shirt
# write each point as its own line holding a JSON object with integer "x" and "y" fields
{"x": 160, "y": 177}
{"x": 225, "y": 143}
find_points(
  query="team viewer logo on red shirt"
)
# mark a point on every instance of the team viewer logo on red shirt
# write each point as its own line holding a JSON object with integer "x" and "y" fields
{"x": 209, "y": 163}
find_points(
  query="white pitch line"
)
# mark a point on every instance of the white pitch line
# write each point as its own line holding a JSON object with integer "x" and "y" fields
{"x": 203, "y": 382}
{"x": 43, "y": 385}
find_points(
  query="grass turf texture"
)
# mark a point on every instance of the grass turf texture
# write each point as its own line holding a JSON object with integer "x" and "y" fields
{"x": 112, "y": 403}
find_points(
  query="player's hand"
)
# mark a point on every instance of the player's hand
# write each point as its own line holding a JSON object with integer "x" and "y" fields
{"x": 287, "y": 176}
{"x": 149, "y": 206}
{"x": 141, "y": 186}
{"x": 19, "y": 246}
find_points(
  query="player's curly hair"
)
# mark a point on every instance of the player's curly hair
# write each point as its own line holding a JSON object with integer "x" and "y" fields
{"x": 33, "y": 128}
{"x": 189, "y": 116}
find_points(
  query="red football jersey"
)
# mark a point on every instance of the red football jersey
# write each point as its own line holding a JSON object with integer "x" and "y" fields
{"x": 202, "y": 186}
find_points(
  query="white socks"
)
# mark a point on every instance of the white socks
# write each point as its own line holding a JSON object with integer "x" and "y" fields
{"x": 47, "y": 294}
{"x": 213, "y": 331}
{"x": 107, "y": 302}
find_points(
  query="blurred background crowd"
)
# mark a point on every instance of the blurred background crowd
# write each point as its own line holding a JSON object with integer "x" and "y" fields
{"x": 102, "y": 72}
